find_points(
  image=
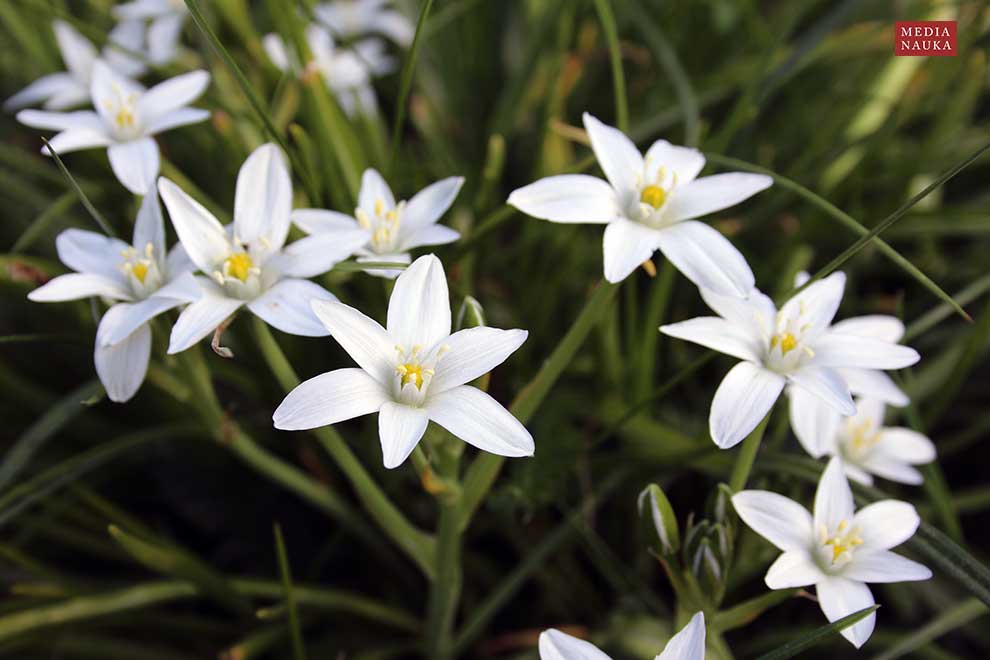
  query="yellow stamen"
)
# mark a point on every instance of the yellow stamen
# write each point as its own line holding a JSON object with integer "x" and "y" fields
{"x": 653, "y": 195}
{"x": 125, "y": 118}
{"x": 650, "y": 267}
{"x": 140, "y": 271}
{"x": 411, "y": 373}
{"x": 238, "y": 265}
{"x": 785, "y": 340}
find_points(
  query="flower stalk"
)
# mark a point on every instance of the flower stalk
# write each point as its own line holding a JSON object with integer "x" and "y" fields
{"x": 747, "y": 455}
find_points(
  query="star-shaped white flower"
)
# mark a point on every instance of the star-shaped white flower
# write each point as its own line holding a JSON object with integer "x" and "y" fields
{"x": 166, "y": 18}
{"x": 792, "y": 346}
{"x": 126, "y": 117}
{"x": 346, "y": 71}
{"x": 391, "y": 228}
{"x": 147, "y": 281}
{"x": 868, "y": 448}
{"x": 838, "y": 549}
{"x": 348, "y": 19}
{"x": 649, "y": 204}
{"x": 687, "y": 644}
{"x": 70, "y": 88}
{"x": 411, "y": 372}
{"x": 248, "y": 263}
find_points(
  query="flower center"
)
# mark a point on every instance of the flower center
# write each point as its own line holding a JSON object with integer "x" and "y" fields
{"x": 653, "y": 195}
{"x": 141, "y": 270}
{"x": 384, "y": 225}
{"x": 125, "y": 118}
{"x": 238, "y": 265}
{"x": 837, "y": 547}
{"x": 412, "y": 372}
{"x": 785, "y": 341}
{"x": 414, "y": 369}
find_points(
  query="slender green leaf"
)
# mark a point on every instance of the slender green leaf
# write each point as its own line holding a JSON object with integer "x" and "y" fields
{"x": 405, "y": 82}
{"x": 792, "y": 649}
{"x": 103, "y": 224}
{"x": 44, "y": 220}
{"x": 295, "y": 631}
{"x": 952, "y": 618}
{"x": 607, "y": 18}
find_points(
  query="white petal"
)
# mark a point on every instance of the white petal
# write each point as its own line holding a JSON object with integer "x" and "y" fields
{"x": 717, "y": 334}
{"x": 314, "y": 221}
{"x": 399, "y": 430}
{"x": 121, "y": 367}
{"x": 419, "y": 309}
{"x": 182, "y": 287}
{"x": 286, "y": 306}
{"x": 395, "y": 26}
{"x": 329, "y": 398}
{"x": 839, "y": 597}
{"x": 68, "y": 97}
{"x": 682, "y": 163}
{"x": 176, "y": 118}
{"x": 568, "y": 198}
{"x": 688, "y": 643}
{"x": 76, "y": 139}
{"x": 365, "y": 341}
{"x": 833, "y": 498}
{"x": 149, "y": 227}
{"x": 884, "y": 566}
{"x": 78, "y": 52}
{"x": 163, "y": 37}
{"x": 713, "y": 193}
{"x": 886, "y": 524}
{"x": 318, "y": 253}
{"x": 875, "y": 326}
{"x": 201, "y": 234}
{"x": 826, "y": 384}
{"x": 891, "y": 468}
{"x": 90, "y": 252}
{"x": 263, "y": 199}
{"x": 373, "y": 190}
{"x": 819, "y": 303}
{"x": 741, "y": 402}
{"x": 178, "y": 261}
{"x": 41, "y": 89}
{"x": 481, "y": 421}
{"x": 84, "y": 120}
{"x": 79, "y": 285}
{"x": 426, "y": 206}
{"x": 618, "y": 157}
{"x": 472, "y": 353}
{"x": 794, "y": 568}
{"x": 874, "y": 384}
{"x": 556, "y": 645}
{"x": 857, "y": 474}
{"x": 755, "y": 314}
{"x": 815, "y": 423}
{"x": 707, "y": 258}
{"x": 125, "y": 38}
{"x": 107, "y": 87}
{"x": 778, "y": 519}
{"x": 429, "y": 235}
{"x": 907, "y": 444}
{"x": 135, "y": 163}
{"x": 840, "y": 350}
{"x": 276, "y": 51}
{"x": 201, "y": 317}
{"x": 625, "y": 246}
{"x": 133, "y": 316}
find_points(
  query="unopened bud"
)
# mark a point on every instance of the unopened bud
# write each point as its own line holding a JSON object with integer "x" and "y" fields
{"x": 658, "y": 521}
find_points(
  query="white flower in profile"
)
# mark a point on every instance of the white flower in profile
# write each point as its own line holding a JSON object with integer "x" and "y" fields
{"x": 391, "y": 228}
{"x": 347, "y": 72}
{"x": 165, "y": 17}
{"x": 793, "y": 346}
{"x": 146, "y": 280}
{"x": 649, "y": 204}
{"x": 868, "y": 448}
{"x": 71, "y": 88}
{"x": 839, "y": 550}
{"x": 688, "y": 644}
{"x": 126, "y": 118}
{"x": 348, "y": 19}
{"x": 411, "y": 371}
{"x": 248, "y": 263}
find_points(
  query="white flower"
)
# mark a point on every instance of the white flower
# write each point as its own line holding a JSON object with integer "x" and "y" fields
{"x": 165, "y": 28}
{"x": 411, "y": 372}
{"x": 867, "y": 447}
{"x": 346, "y": 71}
{"x": 688, "y": 644}
{"x": 141, "y": 275}
{"x": 391, "y": 229}
{"x": 126, "y": 117}
{"x": 838, "y": 550}
{"x": 792, "y": 346}
{"x": 648, "y": 204}
{"x": 248, "y": 263}
{"x": 70, "y": 88}
{"x": 353, "y": 18}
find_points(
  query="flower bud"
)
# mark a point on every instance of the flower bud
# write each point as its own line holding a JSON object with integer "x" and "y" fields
{"x": 658, "y": 521}
{"x": 470, "y": 315}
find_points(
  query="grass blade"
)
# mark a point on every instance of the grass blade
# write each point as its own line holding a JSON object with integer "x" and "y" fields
{"x": 605, "y": 15}
{"x": 298, "y": 651}
{"x": 100, "y": 220}
{"x": 405, "y": 82}
{"x": 958, "y": 616}
{"x": 818, "y": 636}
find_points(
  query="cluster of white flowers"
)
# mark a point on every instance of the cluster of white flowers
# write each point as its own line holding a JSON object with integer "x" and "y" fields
{"x": 415, "y": 369}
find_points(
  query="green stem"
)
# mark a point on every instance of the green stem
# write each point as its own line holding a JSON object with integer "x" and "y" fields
{"x": 416, "y": 543}
{"x": 605, "y": 15}
{"x": 484, "y": 469}
{"x": 744, "y": 461}
{"x": 405, "y": 82}
{"x": 446, "y": 588}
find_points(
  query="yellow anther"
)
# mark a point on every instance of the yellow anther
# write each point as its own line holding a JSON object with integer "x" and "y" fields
{"x": 140, "y": 271}
{"x": 843, "y": 541}
{"x": 238, "y": 265}
{"x": 125, "y": 118}
{"x": 653, "y": 195}
{"x": 411, "y": 373}
{"x": 379, "y": 206}
{"x": 650, "y": 267}
{"x": 785, "y": 340}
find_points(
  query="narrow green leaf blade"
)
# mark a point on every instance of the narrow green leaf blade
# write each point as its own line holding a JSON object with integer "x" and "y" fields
{"x": 792, "y": 649}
